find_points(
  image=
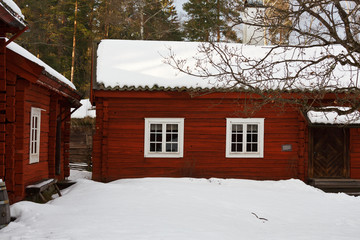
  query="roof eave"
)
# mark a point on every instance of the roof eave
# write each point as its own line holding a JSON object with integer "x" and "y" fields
{"x": 54, "y": 84}
{"x": 13, "y": 23}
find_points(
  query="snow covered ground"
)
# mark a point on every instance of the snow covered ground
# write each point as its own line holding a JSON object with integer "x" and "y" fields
{"x": 186, "y": 208}
{"x": 77, "y": 174}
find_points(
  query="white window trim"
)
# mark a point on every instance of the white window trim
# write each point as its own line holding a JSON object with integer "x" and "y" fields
{"x": 180, "y": 122}
{"x": 35, "y": 157}
{"x": 260, "y": 123}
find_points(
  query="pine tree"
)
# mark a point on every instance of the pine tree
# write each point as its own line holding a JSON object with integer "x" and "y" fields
{"x": 51, "y": 35}
{"x": 209, "y": 20}
{"x": 134, "y": 19}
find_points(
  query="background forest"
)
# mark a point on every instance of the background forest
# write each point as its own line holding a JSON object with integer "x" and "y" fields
{"x": 62, "y": 32}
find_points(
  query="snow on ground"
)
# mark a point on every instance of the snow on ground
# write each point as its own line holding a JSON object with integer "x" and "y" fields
{"x": 186, "y": 208}
{"x": 78, "y": 174}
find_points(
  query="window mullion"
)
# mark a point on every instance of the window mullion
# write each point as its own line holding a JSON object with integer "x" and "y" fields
{"x": 244, "y": 138}
{"x": 164, "y": 138}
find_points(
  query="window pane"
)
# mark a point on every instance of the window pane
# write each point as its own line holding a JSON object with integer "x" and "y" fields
{"x": 174, "y": 147}
{"x": 155, "y": 147}
{"x": 171, "y": 137}
{"x": 158, "y": 137}
{"x": 239, "y": 147}
{"x": 158, "y": 147}
{"x": 255, "y": 147}
{"x": 171, "y": 128}
{"x": 252, "y": 138}
{"x": 252, "y": 128}
{"x": 236, "y": 137}
{"x": 237, "y": 128}
{"x": 152, "y": 147}
{"x": 251, "y": 147}
{"x": 233, "y": 147}
{"x": 171, "y": 147}
{"x": 248, "y": 137}
{"x": 155, "y": 137}
{"x": 239, "y": 138}
{"x": 155, "y": 128}
{"x": 168, "y": 147}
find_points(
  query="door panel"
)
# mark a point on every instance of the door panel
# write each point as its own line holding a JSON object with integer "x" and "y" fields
{"x": 329, "y": 153}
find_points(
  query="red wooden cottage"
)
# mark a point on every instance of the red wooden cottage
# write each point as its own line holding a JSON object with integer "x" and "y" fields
{"x": 35, "y": 103}
{"x": 152, "y": 121}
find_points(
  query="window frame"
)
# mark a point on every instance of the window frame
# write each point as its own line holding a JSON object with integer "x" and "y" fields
{"x": 245, "y": 122}
{"x": 164, "y": 154}
{"x": 34, "y": 157}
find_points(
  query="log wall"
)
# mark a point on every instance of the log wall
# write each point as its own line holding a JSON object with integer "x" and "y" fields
{"x": 118, "y": 149}
{"x": 19, "y": 172}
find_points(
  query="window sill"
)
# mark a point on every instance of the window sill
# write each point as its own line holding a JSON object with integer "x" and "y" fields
{"x": 163, "y": 155}
{"x": 244, "y": 155}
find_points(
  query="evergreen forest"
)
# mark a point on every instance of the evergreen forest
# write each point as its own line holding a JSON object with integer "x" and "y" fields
{"x": 62, "y": 32}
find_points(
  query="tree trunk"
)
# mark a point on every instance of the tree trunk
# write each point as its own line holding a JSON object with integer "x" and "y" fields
{"x": 74, "y": 44}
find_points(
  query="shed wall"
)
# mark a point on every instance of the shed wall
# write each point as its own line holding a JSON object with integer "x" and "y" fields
{"x": 22, "y": 172}
{"x": 119, "y": 139}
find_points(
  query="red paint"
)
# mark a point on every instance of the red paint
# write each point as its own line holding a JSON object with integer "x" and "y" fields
{"x": 119, "y": 139}
{"x": 26, "y": 87}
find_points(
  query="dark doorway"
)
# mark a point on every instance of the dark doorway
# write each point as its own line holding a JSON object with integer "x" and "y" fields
{"x": 329, "y": 153}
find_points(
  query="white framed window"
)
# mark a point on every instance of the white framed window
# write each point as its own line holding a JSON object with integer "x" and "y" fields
{"x": 35, "y": 122}
{"x": 245, "y": 137}
{"x": 164, "y": 137}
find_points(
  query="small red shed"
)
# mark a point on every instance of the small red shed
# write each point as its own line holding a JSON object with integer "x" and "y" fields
{"x": 35, "y": 103}
{"x": 152, "y": 121}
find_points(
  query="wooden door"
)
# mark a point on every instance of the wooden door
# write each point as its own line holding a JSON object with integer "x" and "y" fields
{"x": 329, "y": 157}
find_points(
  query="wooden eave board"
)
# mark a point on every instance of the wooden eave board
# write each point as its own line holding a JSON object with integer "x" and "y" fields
{"x": 60, "y": 88}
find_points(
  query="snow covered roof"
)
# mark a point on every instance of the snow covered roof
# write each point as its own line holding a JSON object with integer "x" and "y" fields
{"x": 333, "y": 118}
{"x": 86, "y": 110}
{"x": 26, "y": 54}
{"x": 125, "y": 63}
{"x": 14, "y": 10}
{"x": 14, "y": 7}
{"x": 141, "y": 65}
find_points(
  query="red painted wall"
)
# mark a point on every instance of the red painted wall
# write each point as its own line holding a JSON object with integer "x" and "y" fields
{"x": 118, "y": 149}
{"x": 32, "y": 95}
